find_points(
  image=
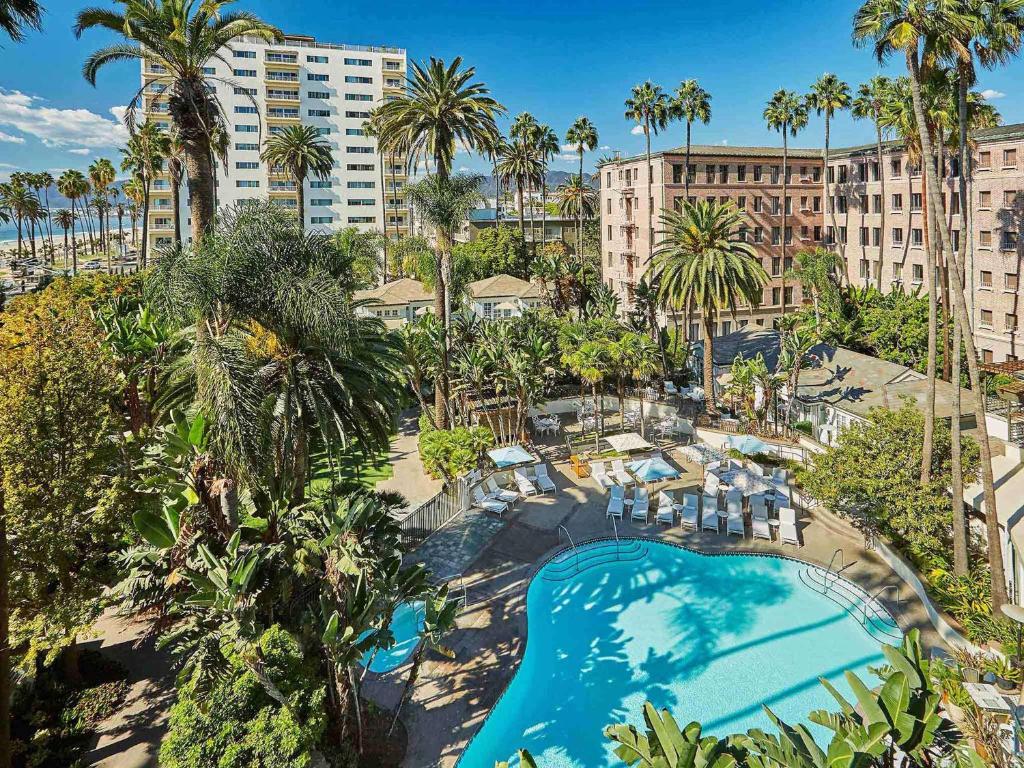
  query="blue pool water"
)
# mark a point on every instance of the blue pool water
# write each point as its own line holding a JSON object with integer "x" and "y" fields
{"x": 709, "y": 638}
{"x": 405, "y": 626}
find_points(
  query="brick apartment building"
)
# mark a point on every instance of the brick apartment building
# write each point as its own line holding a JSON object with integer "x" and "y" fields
{"x": 751, "y": 177}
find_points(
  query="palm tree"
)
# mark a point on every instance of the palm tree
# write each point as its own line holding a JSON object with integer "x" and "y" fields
{"x": 648, "y": 106}
{"x": 546, "y": 146}
{"x": 442, "y": 105}
{"x": 828, "y": 95}
{"x": 816, "y": 270}
{"x": 582, "y": 135}
{"x": 643, "y": 357}
{"x": 15, "y": 16}
{"x": 19, "y": 201}
{"x": 300, "y": 151}
{"x": 175, "y": 161}
{"x": 135, "y": 195}
{"x": 702, "y": 260}
{"x": 144, "y": 158}
{"x": 576, "y": 200}
{"x": 373, "y": 127}
{"x": 589, "y": 361}
{"x": 101, "y": 176}
{"x": 524, "y": 131}
{"x": 65, "y": 220}
{"x": 182, "y": 38}
{"x": 900, "y": 26}
{"x": 867, "y": 105}
{"x": 518, "y": 164}
{"x": 690, "y": 104}
{"x": 786, "y": 113}
{"x": 74, "y": 186}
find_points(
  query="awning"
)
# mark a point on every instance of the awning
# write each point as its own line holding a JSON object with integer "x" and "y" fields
{"x": 510, "y": 456}
{"x": 628, "y": 442}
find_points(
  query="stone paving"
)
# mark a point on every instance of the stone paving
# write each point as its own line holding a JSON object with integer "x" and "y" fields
{"x": 451, "y": 550}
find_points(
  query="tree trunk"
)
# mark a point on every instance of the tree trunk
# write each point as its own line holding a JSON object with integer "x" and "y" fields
{"x": 579, "y": 214}
{"x": 709, "y": 363}
{"x": 829, "y": 207}
{"x": 74, "y": 243}
{"x": 995, "y": 552}
{"x": 881, "y": 179}
{"x": 649, "y": 201}
{"x": 785, "y": 217}
{"x": 199, "y": 169}
{"x": 49, "y": 229}
{"x": 930, "y": 225}
{"x": 441, "y": 312}
{"x": 145, "y": 219}
{"x": 300, "y": 200}
{"x": 414, "y": 672}
{"x": 522, "y": 219}
{"x": 686, "y": 169}
{"x": 176, "y": 202}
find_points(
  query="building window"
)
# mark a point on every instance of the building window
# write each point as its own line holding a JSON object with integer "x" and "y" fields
{"x": 313, "y": 59}
{"x": 244, "y": 147}
{"x": 326, "y": 184}
{"x": 986, "y": 318}
{"x": 757, "y": 174}
{"x": 757, "y": 203}
{"x": 239, "y": 91}
{"x": 243, "y": 128}
{"x": 985, "y": 238}
{"x": 317, "y": 78}
{"x": 709, "y": 174}
{"x": 245, "y": 110}
{"x": 1009, "y": 158}
{"x": 249, "y": 183}
{"x": 320, "y": 113}
{"x": 358, "y": 97}
{"x": 758, "y": 234}
{"x": 319, "y": 95}
{"x": 244, "y": 54}
{"x": 984, "y": 199}
{"x": 321, "y": 219}
{"x": 917, "y": 236}
{"x": 741, "y": 173}
{"x": 918, "y": 273}
{"x": 897, "y": 202}
{"x": 985, "y": 279}
{"x": 776, "y": 296}
{"x": 741, "y": 202}
{"x": 776, "y": 236}
{"x": 1010, "y": 198}
{"x": 984, "y": 160}
{"x": 358, "y": 63}
{"x": 817, "y": 233}
{"x": 723, "y": 174}
{"x": 896, "y": 168}
{"x": 358, "y": 79}
{"x": 247, "y": 165}
{"x": 915, "y": 201}
{"x": 1009, "y": 240}
{"x": 1010, "y": 322}
{"x": 1010, "y": 281}
{"x": 897, "y": 235}
{"x": 360, "y": 167}
{"x": 359, "y": 150}
{"x": 362, "y": 219}
{"x": 354, "y": 132}
{"x": 244, "y": 73}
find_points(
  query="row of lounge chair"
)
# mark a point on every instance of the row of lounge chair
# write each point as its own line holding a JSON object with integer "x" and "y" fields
{"x": 617, "y": 476}
{"x": 706, "y": 517}
{"x": 492, "y": 497}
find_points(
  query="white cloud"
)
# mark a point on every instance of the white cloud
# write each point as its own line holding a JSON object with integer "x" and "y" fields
{"x": 568, "y": 148}
{"x": 724, "y": 142}
{"x": 7, "y": 138}
{"x": 637, "y": 130}
{"x": 80, "y": 151}
{"x": 604, "y": 148}
{"x": 989, "y": 94}
{"x": 59, "y": 128}
{"x": 463, "y": 169}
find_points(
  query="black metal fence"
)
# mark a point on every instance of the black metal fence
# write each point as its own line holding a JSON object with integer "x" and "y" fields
{"x": 433, "y": 514}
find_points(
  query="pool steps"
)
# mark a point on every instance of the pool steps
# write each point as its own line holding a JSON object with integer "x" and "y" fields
{"x": 875, "y": 619}
{"x": 568, "y": 564}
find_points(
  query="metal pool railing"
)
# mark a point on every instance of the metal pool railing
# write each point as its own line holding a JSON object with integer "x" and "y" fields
{"x": 435, "y": 513}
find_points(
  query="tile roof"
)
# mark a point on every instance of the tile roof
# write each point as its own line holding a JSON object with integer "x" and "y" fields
{"x": 401, "y": 291}
{"x": 503, "y": 285}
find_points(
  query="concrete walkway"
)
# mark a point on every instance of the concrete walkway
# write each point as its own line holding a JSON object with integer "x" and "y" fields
{"x": 453, "y": 696}
{"x": 131, "y": 737}
{"x": 409, "y": 478}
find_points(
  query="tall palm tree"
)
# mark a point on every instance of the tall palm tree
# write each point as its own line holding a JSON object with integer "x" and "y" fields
{"x": 65, "y": 219}
{"x": 143, "y": 157}
{"x": 786, "y": 113}
{"x": 648, "y": 106}
{"x": 701, "y": 260}
{"x": 582, "y": 135}
{"x": 518, "y": 164}
{"x": 182, "y": 38}
{"x": 525, "y": 131}
{"x": 546, "y": 145}
{"x": 442, "y": 105}
{"x": 829, "y": 95}
{"x": 74, "y": 186}
{"x": 301, "y": 151}
{"x": 135, "y": 195}
{"x": 576, "y": 200}
{"x": 101, "y": 176}
{"x": 690, "y": 104}
{"x": 867, "y": 105}
{"x": 175, "y": 162}
{"x": 373, "y": 127}
{"x": 20, "y": 202}
{"x": 901, "y": 27}
{"x": 15, "y": 17}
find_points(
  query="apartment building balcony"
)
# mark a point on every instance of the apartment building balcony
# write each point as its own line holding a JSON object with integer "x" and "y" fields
{"x": 273, "y": 77}
{"x": 278, "y": 95}
{"x": 282, "y": 59}
{"x": 285, "y": 116}
{"x": 282, "y": 190}
{"x": 628, "y": 190}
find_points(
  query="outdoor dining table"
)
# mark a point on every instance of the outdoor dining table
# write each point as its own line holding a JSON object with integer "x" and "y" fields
{"x": 988, "y": 698}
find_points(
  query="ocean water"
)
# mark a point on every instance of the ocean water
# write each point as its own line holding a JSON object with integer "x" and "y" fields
{"x": 709, "y": 638}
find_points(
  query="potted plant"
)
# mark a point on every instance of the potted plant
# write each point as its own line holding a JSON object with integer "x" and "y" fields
{"x": 1005, "y": 674}
{"x": 971, "y": 665}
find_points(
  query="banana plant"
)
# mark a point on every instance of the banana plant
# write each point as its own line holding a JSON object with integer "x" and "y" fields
{"x": 665, "y": 745}
{"x": 525, "y": 760}
{"x": 852, "y": 746}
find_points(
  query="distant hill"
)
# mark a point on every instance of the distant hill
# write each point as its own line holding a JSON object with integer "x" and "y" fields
{"x": 554, "y": 179}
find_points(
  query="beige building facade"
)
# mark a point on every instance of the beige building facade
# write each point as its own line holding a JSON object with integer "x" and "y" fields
{"x": 750, "y": 178}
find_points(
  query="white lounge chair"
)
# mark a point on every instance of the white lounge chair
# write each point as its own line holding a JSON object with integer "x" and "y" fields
{"x": 619, "y": 473}
{"x": 488, "y": 505}
{"x": 616, "y": 502}
{"x": 758, "y": 509}
{"x": 641, "y": 505}
{"x": 734, "y": 507}
{"x": 787, "y": 526}
{"x": 666, "y": 509}
{"x": 524, "y": 484}
{"x": 709, "y": 514}
{"x": 598, "y": 472}
{"x": 690, "y": 515}
{"x": 711, "y": 484}
{"x": 780, "y": 476}
{"x": 756, "y": 468}
{"x": 543, "y": 480}
{"x": 496, "y": 492}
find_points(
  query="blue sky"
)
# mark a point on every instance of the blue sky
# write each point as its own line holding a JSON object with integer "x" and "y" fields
{"x": 557, "y": 60}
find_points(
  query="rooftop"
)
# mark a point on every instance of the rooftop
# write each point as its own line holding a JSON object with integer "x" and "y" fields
{"x": 503, "y": 285}
{"x": 401, "y": 291}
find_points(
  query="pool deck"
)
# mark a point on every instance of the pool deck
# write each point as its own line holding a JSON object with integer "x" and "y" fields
{"x": 453, "y": 696}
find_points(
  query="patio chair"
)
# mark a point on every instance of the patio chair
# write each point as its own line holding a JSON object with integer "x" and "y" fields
{"x": 666, "y": 509}
{"x": 787, "y": 526}
{"x": 690, "y": 514}
{"x": 780, "y": 476}
{"x": 641, "y": 505}
{"x": 711, "y": 484}
{"x": 620, "y": 475}
{"x": 756, "y": 468}
{"x": 670, "y": 388}
{"x": 496, "y": 492}
{"x": 734, "y": 501}
{"x": 598, "y": 472}
{"x": 712, "y": 466}
{"x": 734, "y": 521}
{"x": 758, "y": 509}
{"x": 709, "y": 514}
{"x": 525, "y": 485}
{"x": 488, "y": 505}
{"x": 760, "y": 529}
{"x": 616, "y": 502}
{"x": 543, "y": 480}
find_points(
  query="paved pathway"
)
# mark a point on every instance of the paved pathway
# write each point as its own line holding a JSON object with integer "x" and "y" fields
{"x": 450, "y": 551}
{"x": 131, "y": 737}
{"x": 409, "y": 478}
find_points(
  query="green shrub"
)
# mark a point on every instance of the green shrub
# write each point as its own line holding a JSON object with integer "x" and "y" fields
{"x": 804, "y": 426}
{"x": 448, "y": 453}
{"x": 238, "y": 725}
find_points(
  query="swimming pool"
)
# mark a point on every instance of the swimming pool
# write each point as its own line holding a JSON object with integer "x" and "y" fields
{"x": 710, "y": 638}
{"x": 405, "y": 626}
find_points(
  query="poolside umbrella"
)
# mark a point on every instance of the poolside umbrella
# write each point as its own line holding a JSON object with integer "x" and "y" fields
{"x": 627, "y": 442}
{"x": 510, "y": 456}
{"x": 747, "y": 444}
{"x": 701, "y": 453}
{"x": 652, "y": 470}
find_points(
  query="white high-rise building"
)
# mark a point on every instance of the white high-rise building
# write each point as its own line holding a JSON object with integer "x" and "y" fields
{"x": 265, "y": 87}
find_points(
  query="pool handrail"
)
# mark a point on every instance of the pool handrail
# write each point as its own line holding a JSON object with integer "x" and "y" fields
{"x": 831, "y": 562}
{"x": 571, "y": 542}
{"x": 873, "y": 599}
